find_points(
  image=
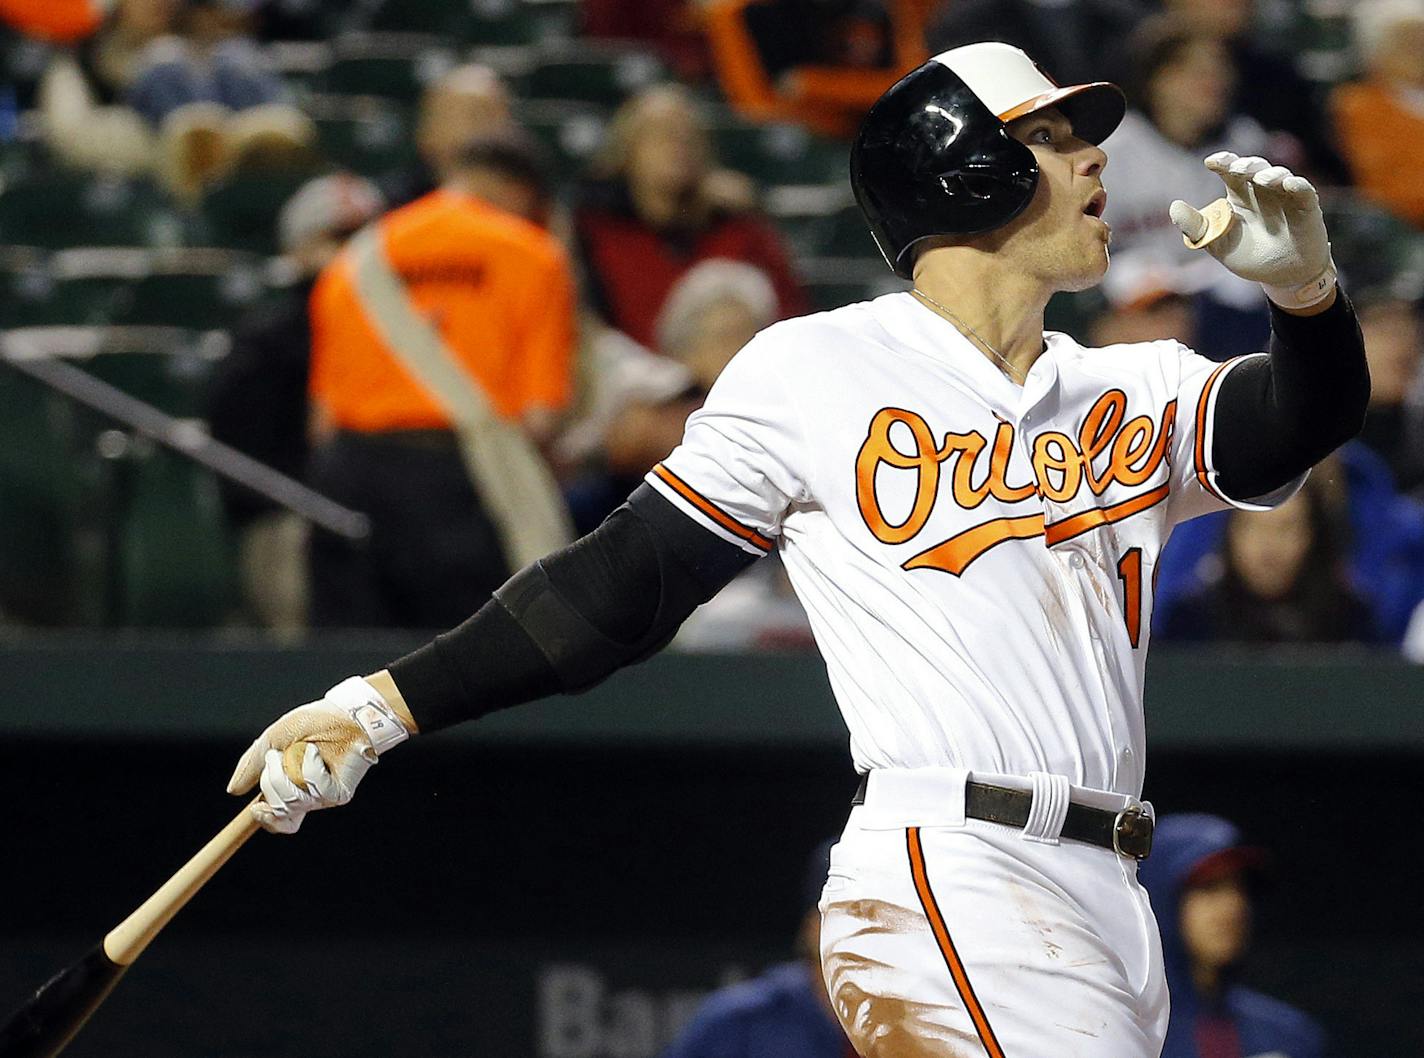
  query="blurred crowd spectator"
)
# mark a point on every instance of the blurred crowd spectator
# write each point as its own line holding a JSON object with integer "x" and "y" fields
{"x": 1267, "y": 84}
{"x": 209, "y": 57}
{"x": 1282, "y": 579}
{"x": 559, "y": 225}
{"x": 657, "y": 204}
{"x": 83, "y": 96}
{"x": 819, "y": 63}
{"x": 1394, "y": 428}
{"x": 1203, "y": 881}
{"x": 635, "y": 402}
{"x": 465, "y": 103}
{"x": 1182, "y": 88}
{"x": 177, "y": 89}
{"x": 1380, "y": 118}
{"x": 442, "y": 355}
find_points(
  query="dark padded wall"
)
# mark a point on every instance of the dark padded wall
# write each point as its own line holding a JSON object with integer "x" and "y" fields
{"x": 522, "y": 900}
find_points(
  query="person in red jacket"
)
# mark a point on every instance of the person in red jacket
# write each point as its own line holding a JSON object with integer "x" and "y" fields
{"x": 658, "y": 206}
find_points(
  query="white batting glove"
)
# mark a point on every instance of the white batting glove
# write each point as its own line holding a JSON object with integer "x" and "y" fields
{"x": 1278, "y": 238}
{"x": 313, "y": 756}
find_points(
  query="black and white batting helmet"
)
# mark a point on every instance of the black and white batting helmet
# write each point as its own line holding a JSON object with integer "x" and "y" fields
{"x": 933, "y": 156}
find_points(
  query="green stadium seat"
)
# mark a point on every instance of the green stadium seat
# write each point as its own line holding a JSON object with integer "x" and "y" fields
{"x": 779, "y": 153}
{"x": 845, "y": 234}
{"x": 91, "y": 286}
{"x": 241, "y": 213}
{"x": 167, "y": 367}
{"x": 198, "y": 289}
{"x": 571, "y": 130}
{"x": 164, "y": 366}
{"x": 1073, "y": 313}
{"x": 1320, "y": 40}
{"x": 500, "y": 23}
{"x": 176, "y": 562}
{"x": 591, "y": 74}
{"x": 61, "y": 209}
{"x": 831, "y": 282}
{"x": 445, "y": 18}
{"x": 74, "y": 288}
{"x": 394, "y": 65}
{"x": 830, "y": 231}
{"x": 87, "y": 301}
{"x": 18, "y": 158}
{"x": 23, "y": 61}
{"x": 302, "y": 63}
{"x": 506, "y": 23}
{"x": 26, "y": 290}
{"x": 46, "y": 576}
{"x": 138, "y": 538}
{"x": 366, "y": 134}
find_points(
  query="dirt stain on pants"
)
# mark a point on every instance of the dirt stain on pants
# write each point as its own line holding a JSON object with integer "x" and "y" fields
{"x": 882, "y": 1026}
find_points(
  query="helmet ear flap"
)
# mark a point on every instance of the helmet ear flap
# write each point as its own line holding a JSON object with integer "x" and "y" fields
{"x": 932, "y": 159}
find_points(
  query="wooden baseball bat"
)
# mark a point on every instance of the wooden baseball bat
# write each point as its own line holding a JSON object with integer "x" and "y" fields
{"x": 54, "y": 1015}
{"x": 1219, "y": 218}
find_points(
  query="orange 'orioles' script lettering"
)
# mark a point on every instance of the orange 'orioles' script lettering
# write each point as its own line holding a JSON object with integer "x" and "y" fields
{"x": 1062, "y": 467}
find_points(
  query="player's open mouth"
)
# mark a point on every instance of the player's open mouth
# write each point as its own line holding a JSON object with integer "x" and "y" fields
{"x": 1097, "y": 204}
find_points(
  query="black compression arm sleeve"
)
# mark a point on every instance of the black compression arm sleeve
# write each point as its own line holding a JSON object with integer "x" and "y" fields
{"x": 573, "y": 618}
{"x": 1278, "y": 416}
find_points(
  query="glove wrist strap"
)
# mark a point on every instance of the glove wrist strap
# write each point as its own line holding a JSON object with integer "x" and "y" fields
{"x": 1306, "y": 294}
{"x": 364, "y": 704}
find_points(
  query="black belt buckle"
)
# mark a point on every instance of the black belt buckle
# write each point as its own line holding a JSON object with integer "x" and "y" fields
{"x": 1132, "y": 833}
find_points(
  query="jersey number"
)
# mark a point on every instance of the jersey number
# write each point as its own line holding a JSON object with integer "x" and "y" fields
{"x": 1129, "y": 571}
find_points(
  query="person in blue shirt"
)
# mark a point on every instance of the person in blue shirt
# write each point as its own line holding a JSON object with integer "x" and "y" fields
{"x": 1198, "y": 877}
{"x": 784, "y": 1013}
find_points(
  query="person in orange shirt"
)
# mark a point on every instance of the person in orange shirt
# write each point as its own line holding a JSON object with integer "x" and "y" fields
{"x": 818, "y": 63}
{"x": 1380, "y": 120}
{"x": 64, "y": 21}
{"x": 476, "y": 266}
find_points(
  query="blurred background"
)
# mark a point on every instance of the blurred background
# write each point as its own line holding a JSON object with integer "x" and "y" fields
{"x": 221, "y": 490}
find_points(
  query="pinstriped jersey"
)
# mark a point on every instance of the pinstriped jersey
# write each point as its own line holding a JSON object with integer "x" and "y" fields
{"x": 975, "y": 558}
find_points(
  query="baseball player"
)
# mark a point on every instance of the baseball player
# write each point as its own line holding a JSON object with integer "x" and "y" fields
{"x": 971, "y": 510}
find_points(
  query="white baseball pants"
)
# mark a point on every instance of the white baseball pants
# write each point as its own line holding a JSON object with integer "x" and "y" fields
{"x": 943, "y": 937}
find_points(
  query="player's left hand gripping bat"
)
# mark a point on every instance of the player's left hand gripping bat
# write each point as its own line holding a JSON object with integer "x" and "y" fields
{"x": 45, "y": 1025}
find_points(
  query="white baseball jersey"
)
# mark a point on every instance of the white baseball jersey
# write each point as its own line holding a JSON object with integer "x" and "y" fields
{"x": 975, "y": 557}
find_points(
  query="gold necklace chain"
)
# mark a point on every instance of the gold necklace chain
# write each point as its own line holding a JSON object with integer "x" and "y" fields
{"x": 1006, "y": 367}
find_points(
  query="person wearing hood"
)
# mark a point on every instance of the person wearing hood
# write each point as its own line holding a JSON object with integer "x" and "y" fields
{"x": 1199, "y": 877}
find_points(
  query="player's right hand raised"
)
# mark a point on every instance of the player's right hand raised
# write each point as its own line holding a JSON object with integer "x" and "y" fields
{"x": 1277, "y": 232}
{"x": 313, "y": 756}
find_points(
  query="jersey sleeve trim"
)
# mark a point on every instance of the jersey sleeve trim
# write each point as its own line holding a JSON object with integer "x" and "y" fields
{"x": 744, "y": 534}
{"x": 1206, "y": 410}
